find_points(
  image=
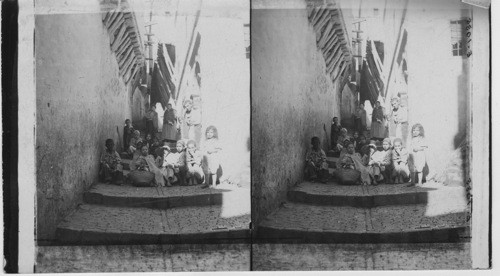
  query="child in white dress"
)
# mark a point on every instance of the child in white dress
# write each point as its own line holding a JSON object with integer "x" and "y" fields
{"x": 418, "y": 147}
{"x": 211, "y": 149}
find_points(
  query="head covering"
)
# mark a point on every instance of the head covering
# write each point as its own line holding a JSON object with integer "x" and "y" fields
{"x": 346, "y": 142}
{"x": 387, "y": 140}
{"x": 373, "y": 144}
{"x": 180, "y": 142}
{"x": 166, "y": 147}
{"x": 365, "y": 148}
{"x": 136, "y": 132}
{"x": 186, "y": 102}
{"x": 395, "y": 99}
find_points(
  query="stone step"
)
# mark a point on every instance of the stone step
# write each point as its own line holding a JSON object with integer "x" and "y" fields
{"x": 160, "y": 197}
{"x": 126, "y": 163}
{"x": 332, "y": 154}
{"x": 295, "y": 222}
{"x": 332, "y": 161}
{"x": 104, "y": 225}
{"x": 124, "y": 155}
{"x": 334, "y": 194}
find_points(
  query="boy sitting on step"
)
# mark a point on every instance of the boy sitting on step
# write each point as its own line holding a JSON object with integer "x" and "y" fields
{"x": 316, "y": 165}
{"x": 401, "y": 172}
{"x": 194, "y": 158}
{"x": 172, "y": 164}
{"x": 111, "y": 165}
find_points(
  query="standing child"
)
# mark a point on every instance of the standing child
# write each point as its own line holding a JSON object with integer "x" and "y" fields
{"x": 111, "y": 164}
{"x": 211, "y": 149}
{"x": 418, "y": 147}
{"x": 128, "y": 130}
{"x": 193, "y": 163}
{"x": 355, "y": 139}
{"x": 400, "y": 162}
{"x": 334, "y": 134}
{"x": 316, "y": 165}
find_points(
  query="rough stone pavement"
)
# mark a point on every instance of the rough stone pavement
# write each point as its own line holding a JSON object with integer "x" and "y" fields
{"x": 222, "y": 257}
{"x": 332, "y": 188}
{"x": 146, "y": 220}
{"x": 143, "y": 258}
{"x": 306, "y": 257}
{"x": 307, "y": 217}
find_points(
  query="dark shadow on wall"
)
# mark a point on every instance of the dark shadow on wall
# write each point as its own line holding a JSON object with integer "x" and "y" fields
{"x": 463, "y": 83}
{"x": 456, "y": 171}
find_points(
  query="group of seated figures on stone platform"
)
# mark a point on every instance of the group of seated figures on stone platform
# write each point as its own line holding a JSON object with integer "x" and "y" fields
{"x": 155, "y": 163}
{"x": 370, "y": 162}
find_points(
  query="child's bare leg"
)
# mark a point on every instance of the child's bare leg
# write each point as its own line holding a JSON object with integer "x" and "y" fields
{"x": 419, "y": 176}
{"x": 214, "y": 180}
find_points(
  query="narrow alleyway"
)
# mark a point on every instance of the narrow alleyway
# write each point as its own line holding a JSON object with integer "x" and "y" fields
{"x": 116, "y": 215}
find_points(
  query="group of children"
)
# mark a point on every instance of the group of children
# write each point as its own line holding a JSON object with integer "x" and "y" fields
{"x": 373, "y": 164}
{"x": 156, "y": 164}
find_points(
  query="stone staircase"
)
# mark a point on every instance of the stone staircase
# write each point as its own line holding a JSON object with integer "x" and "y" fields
{"x": 387, "y": 213}
{"x": 112, "y": 214}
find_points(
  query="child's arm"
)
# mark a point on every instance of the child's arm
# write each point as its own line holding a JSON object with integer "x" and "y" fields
{"x": 103, "y": 161}
{"x": 387, "y": 159}
{"x": 181, "y": 161}
{"x": 404, "y": 156}
{"x": 118, "y": 158}
{"x": 308, "y": 156}
{"x": 198, "y": 158}
{"x": 323, "y": 156}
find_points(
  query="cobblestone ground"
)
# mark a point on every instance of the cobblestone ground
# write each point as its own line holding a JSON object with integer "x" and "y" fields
{"x": 143, "y": 258}
{"x": 305, "y": 257}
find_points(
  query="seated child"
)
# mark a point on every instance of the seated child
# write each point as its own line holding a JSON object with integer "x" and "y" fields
{"x": 111, "y": 164}
{"x": 171, "y": 163}
{"x": 194, "y": 172}
{"x": 341, "y": 139}
{"x": 316, "y": 165}
{"x": 352, "y": 171}
{"x": 152, "y": 143}
{"x": 136, "y": 138}
{"x": 401, "y": 172}
{"x": 180, "y": 162}
{"x": 165, "y": 168}
{"x": 143, "y": 170}
{"x": 345, "y": 160}
{"x": 360, "y": 143}
{"x": 374, "y": 161}
{"x": 386, "y": 160}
